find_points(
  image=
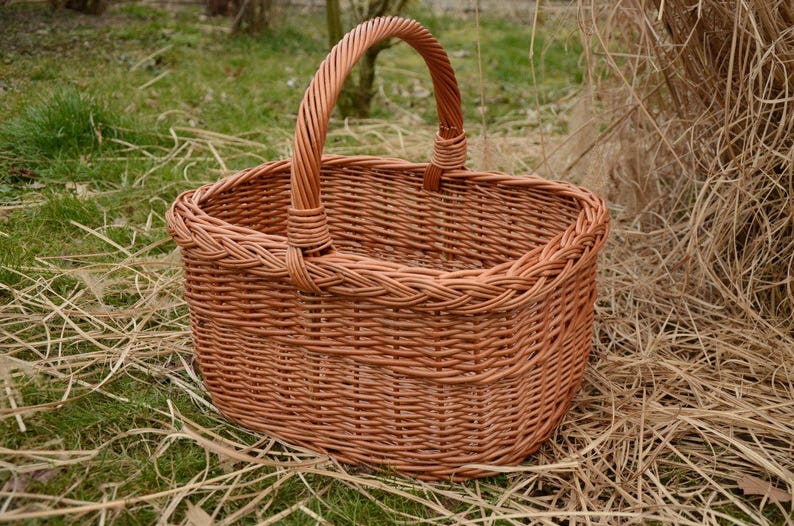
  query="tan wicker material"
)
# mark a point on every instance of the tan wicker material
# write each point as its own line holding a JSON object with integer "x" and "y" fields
{"x": 423, "y": 318}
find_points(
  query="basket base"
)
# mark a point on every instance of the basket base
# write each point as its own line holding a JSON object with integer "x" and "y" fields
{"x": 427, "y": 472}
{"x": 460, "y": 460}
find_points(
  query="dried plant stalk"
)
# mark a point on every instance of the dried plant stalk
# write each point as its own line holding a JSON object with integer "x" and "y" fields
{"x": 711, "y": 85}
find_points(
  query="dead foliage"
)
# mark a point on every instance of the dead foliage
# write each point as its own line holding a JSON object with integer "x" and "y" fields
{"x": 704, "y": 138}
{"x": 685, "y": 412}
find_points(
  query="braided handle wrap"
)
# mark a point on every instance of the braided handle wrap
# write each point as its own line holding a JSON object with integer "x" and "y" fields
{"x": 315, "y": 112}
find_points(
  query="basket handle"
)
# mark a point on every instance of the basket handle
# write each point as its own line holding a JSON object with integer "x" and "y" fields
{"x": 307, "y": 227}
{"x": 320, "y": 98}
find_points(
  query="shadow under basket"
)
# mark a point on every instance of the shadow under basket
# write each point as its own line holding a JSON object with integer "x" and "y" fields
{"x": 423, "y": 318}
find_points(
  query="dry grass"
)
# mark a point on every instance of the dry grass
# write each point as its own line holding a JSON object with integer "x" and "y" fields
{"x": 679, "y": 406}
{"x": 686, "y": 414}
{"x": 703, "y": 90}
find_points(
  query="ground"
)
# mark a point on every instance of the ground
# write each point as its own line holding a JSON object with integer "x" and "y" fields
{"x": 105, "y": 120}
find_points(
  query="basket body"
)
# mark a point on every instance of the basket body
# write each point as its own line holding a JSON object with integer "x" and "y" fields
{"x": 423, "y": 318}
{"x": 422, "y": 391}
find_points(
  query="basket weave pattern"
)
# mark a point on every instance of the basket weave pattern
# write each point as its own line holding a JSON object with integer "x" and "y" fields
{"x": 423, "y": 317}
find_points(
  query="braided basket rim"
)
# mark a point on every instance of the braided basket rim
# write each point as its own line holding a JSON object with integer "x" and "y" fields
{"x": 504, "y": 286}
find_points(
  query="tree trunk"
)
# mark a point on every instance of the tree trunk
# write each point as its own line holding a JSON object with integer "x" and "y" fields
{"x": 359, "y": 90}
{"x": 220, "y": 8}
{"x": 253, "y": 16}
{"x": 356, "y": 97}
{"x": 90, "y": 7}
{"x": 333, "y": 17}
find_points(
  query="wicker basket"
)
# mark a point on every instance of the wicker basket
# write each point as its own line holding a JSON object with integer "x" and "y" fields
{"x": 423, "y": 318}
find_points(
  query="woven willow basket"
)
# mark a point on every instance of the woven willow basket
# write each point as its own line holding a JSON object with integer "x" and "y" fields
{"x": 423, "y": 318}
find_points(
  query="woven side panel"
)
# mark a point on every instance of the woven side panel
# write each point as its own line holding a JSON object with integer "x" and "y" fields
{"x": 465, "y": 225}
{"x": 259, "y": 203}
{"x": 264, "y": 376}
{"x": 385, "y": 214}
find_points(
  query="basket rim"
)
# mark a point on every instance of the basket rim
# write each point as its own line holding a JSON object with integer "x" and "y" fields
{"x": 499, "y": 287}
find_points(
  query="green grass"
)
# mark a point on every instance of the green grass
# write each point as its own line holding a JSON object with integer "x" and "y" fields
{"x": 101, "y": 126}
{"x": 103, "y": 122}
{"x": 76, "y": 111}
{"x": 65, "y": 124}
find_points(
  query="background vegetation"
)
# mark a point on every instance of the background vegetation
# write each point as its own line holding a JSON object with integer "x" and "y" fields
{"x": 685, "y": 414}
